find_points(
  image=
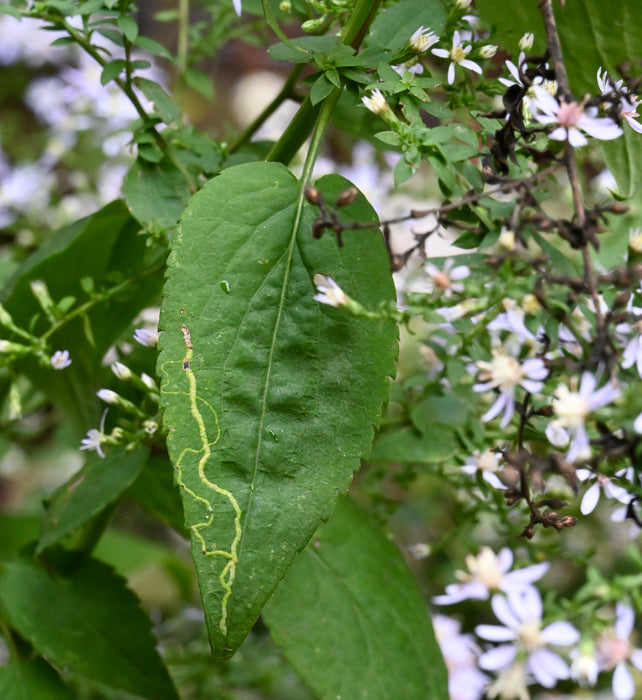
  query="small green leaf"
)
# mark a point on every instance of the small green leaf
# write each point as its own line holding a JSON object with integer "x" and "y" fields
{"x": 270, "y": 396}
{"x": 99, "y": 484}
{"x": 167, "y": 110}
{"x": 65, "y": 616}
{"x": 112, "y": 70}
{"x": 321, "y": 89}
{"x": 350, "y": 590}
{"x": 128, "y": 26}
{"x": 153, "y": 47}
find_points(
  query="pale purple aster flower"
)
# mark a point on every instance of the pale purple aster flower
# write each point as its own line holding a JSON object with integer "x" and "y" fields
{"x": 489, "y": 572}
{"x": 573, "y": 407}
{"x": 521, "y": 615}
{"x": 512, "y": 321}
{"x": 60, "y": 359}
{"x": 570, "y": 118}
{"x": 457, "y": 56}
{"x": 330, "y": 292}
{"x": 615, "y": 650}
{"x": 146, "y": 337}
{"x": 460, "y": 652}
{"x": 505, "y": 373}
{"x": 488, "y": 464}
{"x": 601, "y": 483}
{"x": 446, "y": 280}
{"x": 95, "y": 438}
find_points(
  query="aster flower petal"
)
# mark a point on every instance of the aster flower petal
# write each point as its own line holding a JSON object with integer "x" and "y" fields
{"x": 636, "y": 659}
{"x": 504, "y": 612}
{"x": 623, "y": 685}
{"x": 497, "y": 658}
{"x": 521, "y": 578}
{"x": 624, "y": 620}
{"x": 590, "y": 499}
{"x": 471, "y": 65}
{"x": 495, "y": 633}
{"x": 547, "y": 667}
{"x": 560, "y": 633}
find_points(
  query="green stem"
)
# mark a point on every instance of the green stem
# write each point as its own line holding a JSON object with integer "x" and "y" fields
{"x": 182, "y": 42}
{"x": 305, "y": 119}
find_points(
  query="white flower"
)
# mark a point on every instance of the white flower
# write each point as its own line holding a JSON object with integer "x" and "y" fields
{"x": 487, "y": 463}
{"x": 463, "y": 4}
{"x": 376, "y": 103}
{"x": 506, "y": 373}
{"x": 457, "y": 56}
{"x": 150, "y": 426}
{"x": 601, "y": 483}
{"x": 573, "y": 407}
{"x": 570, "y": 117}
{"x": 526, "y": 42}
{"x": 514, "y": 70}
{"x": 488, "y": 51}
{"x": 628, "y": 103}
{"x": 489, "y": 572}
{"x": 146, "y": 337}
{"x": 95, "y": 438}
{"x": 446, "y": 280}
{"x": 237, "y": 7}
{"x": 423, "y": 39}
{"x": 121, "y": 371}
{"x": 614, "y": 649}
{"x": 60, "y": 359}
{"x": 584, "y": 667}
{"x": 633, "y": 350}
{"x": 108, "y": 396}
{"x": 637, "y": 425}
{"x": 329, "y": 291}
{"x": 521, "y": 615}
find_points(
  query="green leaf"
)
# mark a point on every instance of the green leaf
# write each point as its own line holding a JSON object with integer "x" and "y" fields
{"x": 593, "y": 34}
{"x": 156, "y": 193}
{"x": 394, "y": 25}
{"x": 167, "y": 110}
{"x": 112, "y": 70}
{"x": 106, "y": 247}
{"x": 321, "y": 89}
{"x": 410, "y": 446}
{"x": 350, "y": 590}
{"x": 300, "y": 50}
{"x": 153, "y": 47}
{"x": 154, "y": 491}
{"x": 28, "y": 679}
{"x": 64, "y": 617}
{"x": 269, "y": 417}
{"x": 99, "y": 484}
{"x": 128, "y": 26}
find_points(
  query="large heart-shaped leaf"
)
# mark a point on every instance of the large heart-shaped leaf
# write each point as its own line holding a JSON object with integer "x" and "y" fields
{"x": 270, "y": 397}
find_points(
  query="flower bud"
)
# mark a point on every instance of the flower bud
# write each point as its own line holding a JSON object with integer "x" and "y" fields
{"x": 526, "y": 42}
{"x": 488, "y": 51}
{"x": 121, "y": 371}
